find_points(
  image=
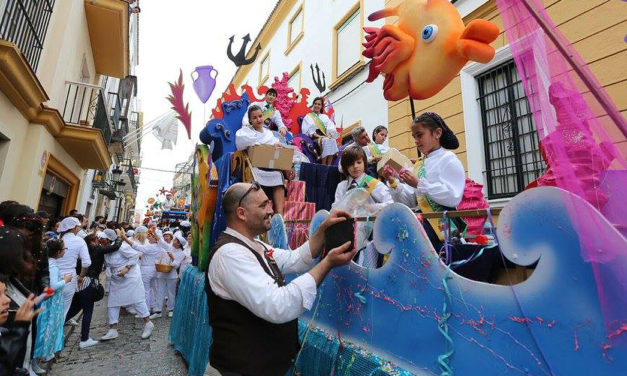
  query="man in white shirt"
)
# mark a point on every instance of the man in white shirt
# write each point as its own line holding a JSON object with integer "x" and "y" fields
{"x": 75, "y": 248}
{"x": 252, "y": 311}
{"x": 169, "y": 202}
{"x": 271, "y": 115}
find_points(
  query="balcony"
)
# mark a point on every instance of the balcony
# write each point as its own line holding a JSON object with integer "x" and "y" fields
{"x": 108, "y": 21}
{"x": 88, "y": 128}
{"x": 25, "y": 23}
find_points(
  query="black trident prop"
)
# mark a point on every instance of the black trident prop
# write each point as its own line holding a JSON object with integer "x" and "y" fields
{"x": 321, "y": 84}
{"x": 240, "y": 58}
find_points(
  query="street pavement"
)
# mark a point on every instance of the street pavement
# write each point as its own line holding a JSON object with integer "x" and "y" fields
{"x": 127, "y": 355}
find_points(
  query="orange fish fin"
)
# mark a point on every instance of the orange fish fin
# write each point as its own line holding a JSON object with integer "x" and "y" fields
{"x": 475, "y": 51}
{"x": 481, "y": 31}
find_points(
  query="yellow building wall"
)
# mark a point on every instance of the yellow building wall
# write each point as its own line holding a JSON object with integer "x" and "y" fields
{"x": 21, "y": 176}
{"x": 596, "y": 29}
{"x": 66, "y": 49}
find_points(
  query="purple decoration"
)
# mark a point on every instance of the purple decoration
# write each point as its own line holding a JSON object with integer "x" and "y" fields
{"x": 204, "y": 82}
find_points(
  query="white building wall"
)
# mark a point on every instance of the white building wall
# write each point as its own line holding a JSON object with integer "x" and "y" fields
{"x": 366, "y": 103}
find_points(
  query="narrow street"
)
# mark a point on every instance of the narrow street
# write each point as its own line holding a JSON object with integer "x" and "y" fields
{"x": 128, "y": 355}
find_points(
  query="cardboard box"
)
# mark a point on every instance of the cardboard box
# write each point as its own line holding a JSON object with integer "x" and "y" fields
{"x": 268, "y": 156}
{"x": 395, "y": 159}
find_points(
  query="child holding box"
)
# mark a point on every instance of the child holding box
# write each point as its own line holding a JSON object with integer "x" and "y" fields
{"x": 271, "y": 180}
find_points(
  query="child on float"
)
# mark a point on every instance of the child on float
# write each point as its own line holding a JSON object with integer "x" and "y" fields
{"x": 271, "y": 117}
{"x": 354, "y": 162}
{"x": 439, "y": 182}
{"x": 50, "y": 320}
{"x": 322, "y": 130}
{"x": 166, "y": 282}
{"x": 270, "y": 180}
{"x": 379, "y": 135}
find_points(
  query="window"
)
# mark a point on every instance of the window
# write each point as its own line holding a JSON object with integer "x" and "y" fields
{"x": 295, "y": 29}
{"x": 264, "y": 69}
{"x": 347, "y": 41}
{"x": 512, "y": 155}
{"x": 295, "y": 78}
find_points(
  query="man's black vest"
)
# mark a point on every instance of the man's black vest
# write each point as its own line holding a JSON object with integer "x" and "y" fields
{"x": 242, "y": 342}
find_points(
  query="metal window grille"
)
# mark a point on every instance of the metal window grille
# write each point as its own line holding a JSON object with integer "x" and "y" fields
{"x": 25, "y": 22}
{"x": 512, "y": 154}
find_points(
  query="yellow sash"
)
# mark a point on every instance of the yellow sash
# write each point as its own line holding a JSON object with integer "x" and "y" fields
{"x": 267, "y": 113}
{"x": 318, "y": 122}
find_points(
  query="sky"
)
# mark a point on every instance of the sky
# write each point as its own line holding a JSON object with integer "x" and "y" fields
{"x": 184, "y": 34}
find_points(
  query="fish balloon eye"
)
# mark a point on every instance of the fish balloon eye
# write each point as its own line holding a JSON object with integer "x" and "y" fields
{"x": 429, "y": 33}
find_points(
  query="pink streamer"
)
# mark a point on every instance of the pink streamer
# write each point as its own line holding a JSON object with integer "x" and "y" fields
{"x": 583, "y": 142}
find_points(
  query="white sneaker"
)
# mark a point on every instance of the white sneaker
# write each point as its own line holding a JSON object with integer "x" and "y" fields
{"x": 111, "y": 334}
{"x": 34, "y": 366}
{"x": 148, "y": 330}
{"x": 72, "y": 322}
{"x": 138, "y": 316}
{"x": 131, "y": 310}
{"x": 89, "y": 343}
{"x": 171, "y": 313}
{"x": 156, "y": 315}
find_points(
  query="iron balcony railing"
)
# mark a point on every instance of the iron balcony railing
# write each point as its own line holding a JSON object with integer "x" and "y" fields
{"x": 25, "y": 22}
{"x": 85, "y": 106}
{"x": 131, "y": 176}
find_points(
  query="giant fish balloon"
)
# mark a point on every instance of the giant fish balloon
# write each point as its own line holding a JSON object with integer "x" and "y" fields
{"x": 427, "y": 48}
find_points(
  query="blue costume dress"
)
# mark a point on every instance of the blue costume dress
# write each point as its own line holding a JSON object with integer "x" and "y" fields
{"x": 50, "y": 320}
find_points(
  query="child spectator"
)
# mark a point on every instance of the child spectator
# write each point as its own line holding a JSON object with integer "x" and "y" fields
{"x": 50, "y": 321}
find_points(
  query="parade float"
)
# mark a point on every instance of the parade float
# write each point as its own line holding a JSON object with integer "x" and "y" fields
{"x": 417, "y": 314}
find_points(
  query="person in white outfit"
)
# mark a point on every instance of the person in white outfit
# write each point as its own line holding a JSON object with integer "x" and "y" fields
{"x": 187, "y": 255}
{"x": 150, "y": 251}
{"x": 166, "y": 282}
{"x": 126, "y": 289}
{"x": 322, "y": 130}
{"x": 76, "y": 248}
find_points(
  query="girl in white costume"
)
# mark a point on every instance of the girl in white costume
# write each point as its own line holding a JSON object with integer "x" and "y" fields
{"x": 256, "y": 134}
{"x": 322, "y": 130}
{"x": 439, "y": 183}
{"x": 126, "y": 289}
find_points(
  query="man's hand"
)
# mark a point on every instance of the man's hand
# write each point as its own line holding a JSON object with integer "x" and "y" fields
{"x": 341, "y": 255}
{"x": 277, "y": 144}
{"x": 67, "y": 278}
{"x": 336, "y": 257}
{"x": 336, "y": 216}
{"x": 283, "y": 131}
{"x": 25, "y": 312}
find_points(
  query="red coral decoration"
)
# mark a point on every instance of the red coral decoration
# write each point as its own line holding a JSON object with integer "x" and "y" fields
{"x": 176, "y": 99}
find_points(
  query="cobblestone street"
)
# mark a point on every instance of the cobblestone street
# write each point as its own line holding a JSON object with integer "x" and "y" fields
{"x": 128, "y": 355}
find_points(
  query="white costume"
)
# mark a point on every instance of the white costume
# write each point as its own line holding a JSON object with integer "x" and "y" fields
{"x": 76, "y": 248}
{"x": 235, "y": 274}
{"x": 150, "y": 253}
{"x": 127, "y": 290}
{"x": 444, "y": 181}
{"x": 166, "y": 282}
{"x": 381, "y": 197}
{"x": 168, "y": 204}
{"x": 309, "y": 127}
{"x": 383, "y": 148}
{"x": 275, "y": 118}
{"x": 187, "y": 259}
{"x": 246, "y": 137}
